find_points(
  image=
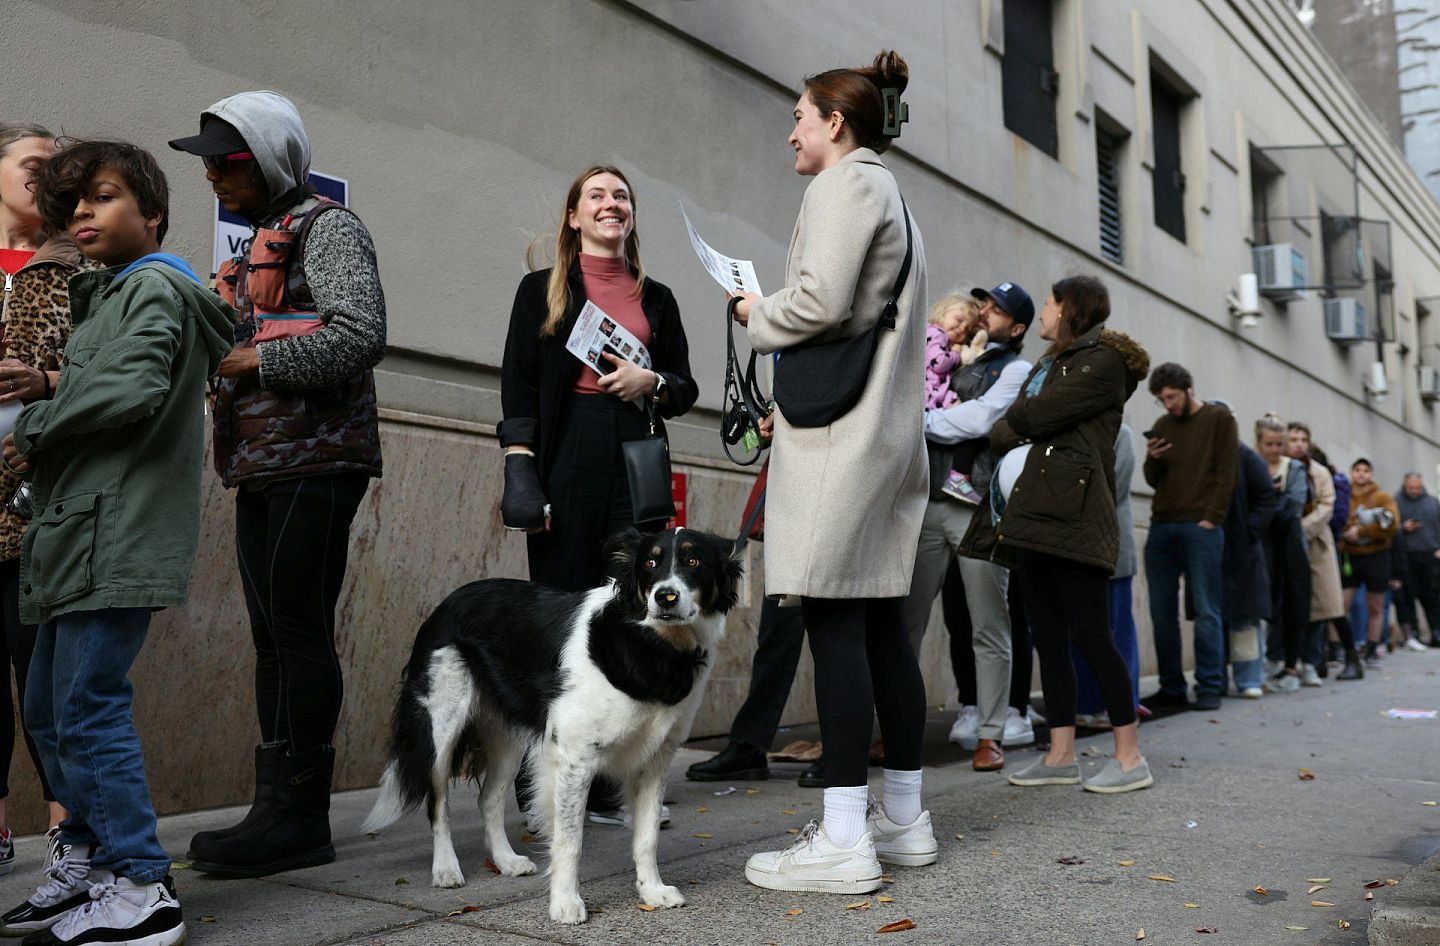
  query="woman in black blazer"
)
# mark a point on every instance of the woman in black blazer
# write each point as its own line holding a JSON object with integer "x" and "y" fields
{"x": 564, "y": 422}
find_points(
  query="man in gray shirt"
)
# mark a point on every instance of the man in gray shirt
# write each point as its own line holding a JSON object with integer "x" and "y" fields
{"x": 1419, "y": 558}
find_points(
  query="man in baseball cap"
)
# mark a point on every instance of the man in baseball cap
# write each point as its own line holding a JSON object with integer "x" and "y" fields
{"x": 1010, "y": 299}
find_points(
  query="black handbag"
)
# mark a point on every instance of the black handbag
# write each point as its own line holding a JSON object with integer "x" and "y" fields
{"x": 647, "y": 467}
{"x": 817, "y": 383}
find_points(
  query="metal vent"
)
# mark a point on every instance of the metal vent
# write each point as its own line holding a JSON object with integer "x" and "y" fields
{"x": 1107, "y": 148}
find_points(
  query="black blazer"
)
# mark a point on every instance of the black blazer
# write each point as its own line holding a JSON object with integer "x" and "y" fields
{"x": 538, "y": 374}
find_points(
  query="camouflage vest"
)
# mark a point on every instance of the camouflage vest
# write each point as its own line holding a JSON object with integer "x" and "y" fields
{"x": 259, "y": 433}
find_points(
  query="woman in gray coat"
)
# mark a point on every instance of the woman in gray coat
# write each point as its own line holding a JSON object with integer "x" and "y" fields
{"x": 845, "y": 501}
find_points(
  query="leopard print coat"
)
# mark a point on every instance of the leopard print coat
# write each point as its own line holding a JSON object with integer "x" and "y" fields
{"x": 37, "y": 324}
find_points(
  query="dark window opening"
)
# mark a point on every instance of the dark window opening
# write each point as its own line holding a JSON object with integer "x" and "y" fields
{"x": 1109, "y": 146}
{"x": 1166, "y": 104}
{"x": 1265, "y": 177}
{"x": 1343, "y": 250}
{"x": 1028, "y": 80}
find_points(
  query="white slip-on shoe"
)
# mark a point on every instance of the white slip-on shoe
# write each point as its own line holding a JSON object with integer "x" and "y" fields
{"x": 910, "y": 845}
{"x": 1019, "y": 731}
{"x": 816, "y": 864}
{"x": 1413, "y": 644}
{"x": 966, "y": 731}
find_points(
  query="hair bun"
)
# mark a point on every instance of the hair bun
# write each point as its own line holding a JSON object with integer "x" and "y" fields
{"x": 888, "y": 71}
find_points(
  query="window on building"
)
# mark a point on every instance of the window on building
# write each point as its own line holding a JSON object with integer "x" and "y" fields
{"x": 1028, "y": 80}
{"x": 1166, "y": 105}
{"x": 1343, "y": 251}
{"x": 1110, "y": 142}
{"x": 1265, "y": 179}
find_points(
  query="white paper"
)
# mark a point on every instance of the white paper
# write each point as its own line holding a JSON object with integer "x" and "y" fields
{"x": 733, "y": 275}
{"x": 1411, "y": 714}
{"x": 9, "y": 411}
{"x": 595, "y": 332}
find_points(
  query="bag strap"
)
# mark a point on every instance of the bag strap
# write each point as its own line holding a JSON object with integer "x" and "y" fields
{"x": 749, "y": 524}
{"x": 892, "y": 308}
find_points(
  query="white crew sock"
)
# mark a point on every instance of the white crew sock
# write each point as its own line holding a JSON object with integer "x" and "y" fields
{"x": 902, "y": 796}
{"x": 845, "y": 814}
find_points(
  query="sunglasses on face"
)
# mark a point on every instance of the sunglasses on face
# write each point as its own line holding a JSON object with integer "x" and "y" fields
{"x": 220, "y": 163}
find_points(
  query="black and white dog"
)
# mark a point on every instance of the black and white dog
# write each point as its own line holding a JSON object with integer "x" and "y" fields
{"x": 606, "y": 680}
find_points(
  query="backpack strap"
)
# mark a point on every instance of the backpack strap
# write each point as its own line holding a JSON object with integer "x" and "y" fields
{"x": 297, "y": 288}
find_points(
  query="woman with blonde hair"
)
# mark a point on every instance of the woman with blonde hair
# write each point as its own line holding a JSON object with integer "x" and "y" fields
{"x": 565, "y": 420}
{"x": 1289, "y": 562}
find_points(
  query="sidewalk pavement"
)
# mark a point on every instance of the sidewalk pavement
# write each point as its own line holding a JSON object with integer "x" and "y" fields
{"x": 1231, "y": 811}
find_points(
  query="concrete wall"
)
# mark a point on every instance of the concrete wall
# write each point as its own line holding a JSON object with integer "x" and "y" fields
{"x": 459, "y": 125}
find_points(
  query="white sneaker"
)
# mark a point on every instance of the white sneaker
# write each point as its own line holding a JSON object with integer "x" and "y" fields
{"x": 1035, "y": 718}
{"x": 1309, "y": 676}
{"x": 1019, "y": 731}
{"x": 1412, "y": 644}
{"x": 126, "y": 913}
{"x": 1252, "y": 693}
{"x": 816, "y": 864}
{"x": 1273, "y": 668}
{"x": 966, "y": 731}
{"x": 67, "y": 887}
{"x": 623, "y": 818}
{"x": 1284, "y": 683}
{"x": 910, "y": 845}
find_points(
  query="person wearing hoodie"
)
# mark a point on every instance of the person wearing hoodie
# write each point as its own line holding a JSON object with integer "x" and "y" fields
{"x": 115, "y": 451}
{"x": 1365, "y": 550}
{"x": 1059, "y": 524}
{"x": 296, "y": 433}
{"x": 1420, "y": 555}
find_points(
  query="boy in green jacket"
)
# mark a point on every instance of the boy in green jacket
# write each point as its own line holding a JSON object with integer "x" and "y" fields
{"x": 115, "y": 457}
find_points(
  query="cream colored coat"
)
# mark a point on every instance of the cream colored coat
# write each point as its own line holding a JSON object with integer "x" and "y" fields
{"x": 1327, "y": 599}
{"x": 844, "y": 502}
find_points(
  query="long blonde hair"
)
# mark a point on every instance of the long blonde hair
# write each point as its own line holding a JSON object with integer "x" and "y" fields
{"x": 567, "y": 249}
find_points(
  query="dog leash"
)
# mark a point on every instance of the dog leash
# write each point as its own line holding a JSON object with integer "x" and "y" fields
{"x": 742, "y": 410}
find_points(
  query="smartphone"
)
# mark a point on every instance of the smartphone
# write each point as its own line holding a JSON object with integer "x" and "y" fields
{"x": 1151, "y": 434}
{"x": 603, "y": 366}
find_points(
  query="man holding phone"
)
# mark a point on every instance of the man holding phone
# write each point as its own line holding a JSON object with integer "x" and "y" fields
{"x": 1191, "y": 461}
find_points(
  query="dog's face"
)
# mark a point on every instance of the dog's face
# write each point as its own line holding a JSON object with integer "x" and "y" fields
{"x": 675, "y": 575}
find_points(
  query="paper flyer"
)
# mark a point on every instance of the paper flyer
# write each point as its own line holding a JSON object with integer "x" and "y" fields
{"x": 596, "y": 332}
{"x": 733, "y": 275}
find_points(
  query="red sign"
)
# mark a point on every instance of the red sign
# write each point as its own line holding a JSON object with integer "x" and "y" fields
{"x": 677, "y": 489}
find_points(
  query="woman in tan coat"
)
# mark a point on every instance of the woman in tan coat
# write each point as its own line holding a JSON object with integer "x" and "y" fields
{"x": 845, "y": 501}
{"x": 1327, "y": 598}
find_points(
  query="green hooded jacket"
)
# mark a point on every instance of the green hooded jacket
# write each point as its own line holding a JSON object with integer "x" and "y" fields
{"x": 118, "y": 449}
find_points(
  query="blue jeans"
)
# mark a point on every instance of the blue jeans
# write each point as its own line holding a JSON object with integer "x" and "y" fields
{"x": 1360, "y": 617}
{"x": 1122, "y": 630}
{"x": 77, "y": 708}
{"x": 1183, "y": 548}
{"x": 1247, "y": 654}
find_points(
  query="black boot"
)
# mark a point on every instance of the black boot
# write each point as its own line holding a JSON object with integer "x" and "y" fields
{"x": 1352, "y": 671}
{"x": 264, "y": 778}
{"x": 739, "y": 761}
{"x": 813, "y": 776}
{"x": 293, "y": 832}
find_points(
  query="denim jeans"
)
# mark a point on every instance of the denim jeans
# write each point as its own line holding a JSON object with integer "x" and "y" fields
{"x": 1360, "y": 617}
{"x": 1247, "y": 654}
{"x": 77, "y": 708}
{"x": 1122, "y": 629}
{"x": 1184, "y": 548}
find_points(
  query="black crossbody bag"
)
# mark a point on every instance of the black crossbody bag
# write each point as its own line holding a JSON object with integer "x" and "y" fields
{"x": 817, "y": 383}
{"x": 647, "y": 467}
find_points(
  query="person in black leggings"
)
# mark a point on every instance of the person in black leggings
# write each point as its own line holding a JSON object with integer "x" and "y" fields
{"x": 1058, "y": 522}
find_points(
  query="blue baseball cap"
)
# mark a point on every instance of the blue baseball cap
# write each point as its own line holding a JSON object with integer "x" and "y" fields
{"x": 1012, "y": 300}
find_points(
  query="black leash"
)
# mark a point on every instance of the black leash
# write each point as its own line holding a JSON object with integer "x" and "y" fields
{"x": 744, "y": 405}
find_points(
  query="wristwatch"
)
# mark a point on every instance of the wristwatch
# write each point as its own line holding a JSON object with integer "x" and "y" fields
{"x": 659, "y": 386}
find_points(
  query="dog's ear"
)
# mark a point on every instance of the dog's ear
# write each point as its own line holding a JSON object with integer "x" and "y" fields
{"x": 622, "y": 562}
{"x": 729, "y": 568}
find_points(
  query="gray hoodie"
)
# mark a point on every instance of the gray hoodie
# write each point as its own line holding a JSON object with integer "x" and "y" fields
{"x": 270, "y": 124}
{"x": 1426, "y": 511}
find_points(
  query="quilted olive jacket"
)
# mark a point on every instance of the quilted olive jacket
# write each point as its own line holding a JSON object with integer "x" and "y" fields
{"x": 1063, "y": 502}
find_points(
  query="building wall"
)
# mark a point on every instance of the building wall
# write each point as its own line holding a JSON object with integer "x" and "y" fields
{"x": 459, "y": 124}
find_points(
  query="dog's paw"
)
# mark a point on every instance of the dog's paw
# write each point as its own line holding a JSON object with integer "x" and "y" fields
{"x": 660, "y": 895}
{"x": 516, "y": 865}
{"x": 567, "y": 908}
{"x": 447, "y": 877}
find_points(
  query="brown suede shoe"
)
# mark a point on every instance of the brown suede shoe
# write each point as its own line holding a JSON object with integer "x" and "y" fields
{"x": 989, "y": 757}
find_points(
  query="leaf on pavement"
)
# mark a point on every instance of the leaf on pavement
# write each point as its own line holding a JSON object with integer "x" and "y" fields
{"x": 887, "y": 878}
{"x": 702, "y": 835}
{"x": 1374, "y": 883}
{"x": 898, "y": 926}
{"x": 1306, "y": 775}
{"x": 1139, "y": 934}
{"x": 788, "y": 811}
{"x": 1206, "y": 929}
{"x": 1390, "y": 882}
{"x": 401, "y": 881}
{"x": 1369, "y": 895}
{"x": 471, "y": 908}
{"x": 792, "y": 830}
{"x": 702, "y": 809}
{"x": 1344, "y": 923}
{"x": 1297, "y": 929}
{"x": 884, "y": 899}
{"x": 1163, "y": 878}
{"x": 1315, "y": 887}
{"x": 858, "y": 905}
{"x": 1127, "y": 863}
{"x": 179, "y": 865}
{"x": 1260, "y": 890}
{"x": 1430, "y": 804}
{"x": 489, "y": 865}
{"x": 794, "y": 911}
{"x": 1321, "y": 903}
{"x": 1317, "y": 880}
{"x": 752, "y": 791}
{"x": 1193, "y": 906}
{"x": 208, "y": 919}
{"x": 646, "y": 907}
{"x": 959, "y": 837}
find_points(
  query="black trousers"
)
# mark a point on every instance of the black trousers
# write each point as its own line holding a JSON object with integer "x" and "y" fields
{"x": 864, "y": 667}
{"x": 588, "y": 490}
{"x": 779, "y": 639}
{"x": 1069, "y": 603}
{"x": 292, "y": 541}
{"x": 962, "y": 649}
{"x": 589, "y": 497}
{"x": 18, "y": 642}
{"x": 1421, "y": 577}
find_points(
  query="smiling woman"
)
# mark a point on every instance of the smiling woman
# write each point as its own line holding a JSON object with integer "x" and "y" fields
{"x": 565, "y": 420}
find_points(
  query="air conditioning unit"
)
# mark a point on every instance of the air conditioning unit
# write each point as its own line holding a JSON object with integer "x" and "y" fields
{"x": 1281, "y": 271}
{"x": 1345, "y": 321}
{"x": 1429, "y": 384}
